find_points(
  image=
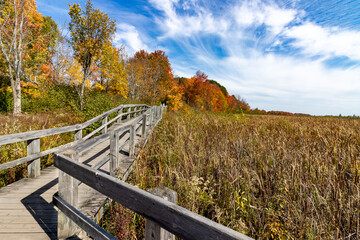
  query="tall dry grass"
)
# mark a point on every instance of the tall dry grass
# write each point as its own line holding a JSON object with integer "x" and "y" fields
{"x": 269, "y": 177}
{"x": 10, "y": 124}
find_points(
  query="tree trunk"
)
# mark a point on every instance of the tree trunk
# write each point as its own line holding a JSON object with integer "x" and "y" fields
{"x": 82, "y": 95}
{"x": 82, "y": 88}
{"x": 17, "y": 97}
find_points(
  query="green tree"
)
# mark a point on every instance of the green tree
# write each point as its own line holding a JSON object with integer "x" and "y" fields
{"x": 90, "y": 30}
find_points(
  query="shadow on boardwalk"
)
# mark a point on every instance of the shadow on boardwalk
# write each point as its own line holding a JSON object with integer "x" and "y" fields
{"x": 43, "y": 212}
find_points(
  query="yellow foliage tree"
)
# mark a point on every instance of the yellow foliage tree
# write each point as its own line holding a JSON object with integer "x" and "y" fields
{"x": 74, "y": 73}
{"x": 110, "y": 68}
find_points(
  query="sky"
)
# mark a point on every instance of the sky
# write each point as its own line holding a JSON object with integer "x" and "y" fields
{"x": 300, "y": 56}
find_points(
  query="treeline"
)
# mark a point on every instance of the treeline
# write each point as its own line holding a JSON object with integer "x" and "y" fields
{"x": 279, "y": 113}
{"x": 37, "y": 61}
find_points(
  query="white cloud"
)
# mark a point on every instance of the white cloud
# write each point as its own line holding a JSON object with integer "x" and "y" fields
{"x": 257, "y": 13}
{"x": 186, "y": 25}
{"x": 316, "y": 40}
{"x": 128, "y": 35}
{"x": 270, "y": 81}
{"x": 275, "y": 83}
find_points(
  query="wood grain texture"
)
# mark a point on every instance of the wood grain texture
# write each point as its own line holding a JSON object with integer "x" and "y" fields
{"x": 175, "y": 219}
{"x": 33, "y": 167}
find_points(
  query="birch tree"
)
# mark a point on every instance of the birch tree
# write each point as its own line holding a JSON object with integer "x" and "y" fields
{"x": 14, "y": 37}
{"x": 24, "y": 42}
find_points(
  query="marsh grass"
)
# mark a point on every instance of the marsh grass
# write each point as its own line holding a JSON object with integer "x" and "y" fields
{"x": 27, "y": 122}
{"x": 269, "y": 177}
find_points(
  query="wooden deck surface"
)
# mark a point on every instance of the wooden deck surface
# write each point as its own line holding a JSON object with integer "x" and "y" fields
{"x": 26, "y": 209}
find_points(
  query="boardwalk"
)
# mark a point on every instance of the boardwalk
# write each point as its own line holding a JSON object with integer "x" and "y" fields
{"x": 26, "y": 209}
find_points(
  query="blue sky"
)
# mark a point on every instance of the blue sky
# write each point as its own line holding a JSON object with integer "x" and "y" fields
{"x": 296, "y": 56}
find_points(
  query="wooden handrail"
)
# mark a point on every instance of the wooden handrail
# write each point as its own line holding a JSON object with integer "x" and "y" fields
{"x": 34, "y": 156}
{"x": 19, "y": 137}
{"x": 168, "y": 215}
{"x": 84, "y": 222}
{"x": 68, "y": 186}
{"x": 173, "y": 218}
{"x": 24, "y": 136}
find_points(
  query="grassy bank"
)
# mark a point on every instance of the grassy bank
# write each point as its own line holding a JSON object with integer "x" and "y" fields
{"x": 269, "y": 177}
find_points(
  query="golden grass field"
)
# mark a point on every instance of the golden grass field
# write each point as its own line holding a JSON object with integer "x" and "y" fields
{"x": 269, "y": 177}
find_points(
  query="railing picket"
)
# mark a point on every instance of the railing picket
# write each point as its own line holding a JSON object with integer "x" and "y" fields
{"x": 78, "y": 135}
{"x": 151, "y": 116}
{"x": 104, "y": 122}
{"x": 132, "y": 141}
{"x": 180, "y": 221}
{"x": 129, "y": 115}
{"x": 33, "y": 167}
{"x": 119, "y": 113}
{"x": 68, "y": 190}
{"x": 114, "y": 152}
{"x": 143, "y": 131}
{"x": 152, "y": 230}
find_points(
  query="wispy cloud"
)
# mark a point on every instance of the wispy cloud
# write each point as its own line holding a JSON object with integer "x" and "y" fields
{"x": 128, "y": 34}
{"x": 270, "y": 80}
{"x": 314, "y": 40}
{"x": 175, "y": 25}
{"x": 256, "y": 13}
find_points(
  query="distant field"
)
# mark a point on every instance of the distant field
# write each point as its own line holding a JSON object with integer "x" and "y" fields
{"x": 269, "y": 177}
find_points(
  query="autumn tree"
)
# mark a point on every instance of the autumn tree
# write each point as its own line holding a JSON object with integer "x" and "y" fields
{"x": 134, "y": 70}
{"x": 110, "y": 70}
{"x": 90, "y": 30}
{"x": 209, "y": 95}
{"x": 22, "y": 42}
{"x": 62, "y": 53}
{"x": 150, "y": 76}
{"x": 40, "y": 52}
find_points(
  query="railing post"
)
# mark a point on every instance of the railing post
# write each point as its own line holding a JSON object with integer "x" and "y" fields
{"x": 68, "y": 190}
{"x": 151, "y": 116}
{"x": 33, "y": 167}
{"x": 132, "y": 142}
{"x": 161, "y": 111}
{"x": 114, "y": 152}
{"x": 104, "y": 121}
{"x": 78, "y": 135}
{"x": 152, "y": 230}
{"x": 135, "y": 114}
{"x": 129, "y": 110}
{"x": 143, "y": 132}
{"x": 120, "y": 112}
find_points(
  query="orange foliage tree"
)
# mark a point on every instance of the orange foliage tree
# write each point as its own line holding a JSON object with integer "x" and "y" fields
{"x": 205, "y": 94}
{"x": 150, "y": 77}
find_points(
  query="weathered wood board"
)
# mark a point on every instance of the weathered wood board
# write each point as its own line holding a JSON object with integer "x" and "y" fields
{"x": 26, "y": 209}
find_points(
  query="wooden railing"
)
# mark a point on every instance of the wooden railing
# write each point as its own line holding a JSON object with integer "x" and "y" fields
{"x": 165, "y": 214}
{"x": 33, "y": 137}
{"x": 120, "y": 136}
